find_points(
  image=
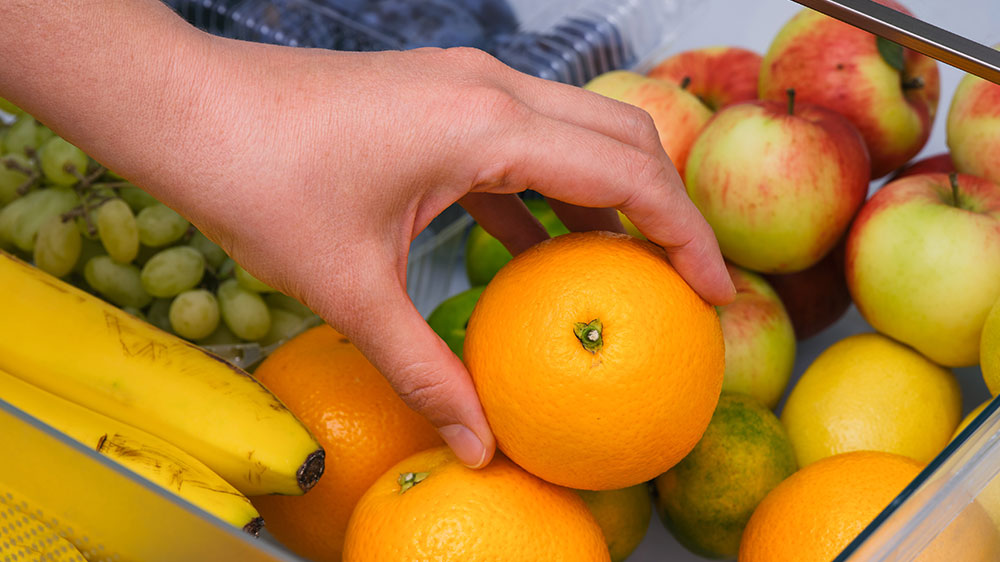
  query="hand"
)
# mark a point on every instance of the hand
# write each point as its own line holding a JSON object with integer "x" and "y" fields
{"x": 316, "y": 169}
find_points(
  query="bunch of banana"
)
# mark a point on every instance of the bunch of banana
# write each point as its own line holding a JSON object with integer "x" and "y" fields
{"x": 89, "y": 352}
{"x": 148, "y": 456}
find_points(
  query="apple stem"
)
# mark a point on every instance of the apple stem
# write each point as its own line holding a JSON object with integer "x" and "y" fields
{"x": 953, "y": 178}
{"x": 914, "y": 83}
{"x": 791, "y": 100}
{"x": 685, "y": 82}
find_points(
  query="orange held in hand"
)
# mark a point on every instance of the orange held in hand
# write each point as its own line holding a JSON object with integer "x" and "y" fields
{"x": 432, "y": 507}
{"x": 598, "y": 367}
{"x": 362, "y": 424}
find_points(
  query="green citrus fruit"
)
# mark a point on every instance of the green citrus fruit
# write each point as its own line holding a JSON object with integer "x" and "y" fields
{"x": 485, "y": 255}
{"x": 707, "y": 498}
{"x": 451, "y": 317}
{"x": 623, "y": 516}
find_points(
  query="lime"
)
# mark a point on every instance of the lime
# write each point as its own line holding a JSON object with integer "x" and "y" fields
{"x": 485, "y": 255}
{"x": 623, "y": 515}
{"x": 707, "y": 498}
{"x": 451, "y": 317}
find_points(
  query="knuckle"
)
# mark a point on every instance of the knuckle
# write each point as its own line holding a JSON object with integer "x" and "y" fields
{"x": 422, "y": 385}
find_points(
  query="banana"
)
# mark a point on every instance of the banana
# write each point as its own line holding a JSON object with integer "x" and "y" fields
{"x": 25, "y": 537}
{"x": 148, "y": 456}
{"x": 85, "y": 350}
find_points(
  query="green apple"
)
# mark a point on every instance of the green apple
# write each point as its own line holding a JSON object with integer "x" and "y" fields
{"x": 973, "y": 127}
{"x": 678, "y": 114}
{"x": 778, "y": 182}
{"x": 923, "y": 263}
{"x": 760, "y": 340}
{"x": 889, "y": 93}
{"x": 485, "y": 255}
{"x": 450, "y": 318}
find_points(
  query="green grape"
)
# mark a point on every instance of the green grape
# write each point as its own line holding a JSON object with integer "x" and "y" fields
{"x": 134, "y": 312}
{"x": 12, "y": 178}
{"x": 136, "y": 198}
{"x": 57, "y": 247}
{"x": 194, "y": 314}
{"x": 88, "y": 249}
{"x": 160, "y": 225}
{"x": 56, "y": 156}
{"x": 145, "y": 252}
{"x": 21, "y": 136}
{"x": 117, "y": 282}
{"x": 284, "y": 325}
{"x": 21, "y": 219}
{"x": 10, "y": 108}
{"x": 214, "y": 254}
{"x": 225, "y": 271}
{"x": 42, "y": 134}
{"x": 173, "y": 271}
{"x": 243, "y": 311}
{"x": 285, "y": 302}
{"x": 158, "y": 314}
{"x": 249, "y": 282}
{"x": 221, "y": 336}
{"x": 117, "y": 230}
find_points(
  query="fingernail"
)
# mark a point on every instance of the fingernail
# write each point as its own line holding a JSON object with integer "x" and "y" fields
{"x": 467, "y": 447}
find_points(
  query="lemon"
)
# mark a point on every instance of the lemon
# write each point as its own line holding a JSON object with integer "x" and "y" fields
{"x": 706, "y": 499}
{"x": 868, "y": 392}
{"x": 485, "y": 255}
{"x": 451, "y": 317}
{"x": 989, "y": 350}
{"x": 623, "y": 516}
{"x": 989, "y": 496}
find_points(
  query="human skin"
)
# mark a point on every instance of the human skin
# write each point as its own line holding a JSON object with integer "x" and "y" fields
{"x": 679, "y": 115}
{"x": 315, "y": 169}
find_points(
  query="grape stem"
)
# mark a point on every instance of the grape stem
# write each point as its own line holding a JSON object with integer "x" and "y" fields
{"x": 32, "y": 174}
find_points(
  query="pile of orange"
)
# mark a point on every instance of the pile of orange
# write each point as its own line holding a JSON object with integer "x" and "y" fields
{"x": 362, "y": 424}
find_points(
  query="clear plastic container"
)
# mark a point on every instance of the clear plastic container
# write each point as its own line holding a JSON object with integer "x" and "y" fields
{"x": 549, "y": 42}
{"x": 569, "y": 41}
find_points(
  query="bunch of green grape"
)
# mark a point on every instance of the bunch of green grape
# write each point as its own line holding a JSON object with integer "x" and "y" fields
{"x": 75, "y": 219}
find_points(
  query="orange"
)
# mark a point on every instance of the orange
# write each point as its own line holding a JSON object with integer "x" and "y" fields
{"x": 362, "y": 424}
{"x": 707, "y": 498}
{"x": 432, "y": 507}
{"x": 815, "y": 513}
{"x": 597, "y": 366}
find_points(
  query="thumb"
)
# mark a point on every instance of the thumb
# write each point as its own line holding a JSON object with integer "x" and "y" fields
{"x": 425, "y": 373}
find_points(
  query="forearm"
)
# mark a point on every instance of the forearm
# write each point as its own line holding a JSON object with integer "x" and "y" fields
{"x": 130, "y": 82}
{"x": 99, "y": 73}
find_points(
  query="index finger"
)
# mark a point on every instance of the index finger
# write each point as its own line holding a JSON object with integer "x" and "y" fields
{"x": 590, "y": 169}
